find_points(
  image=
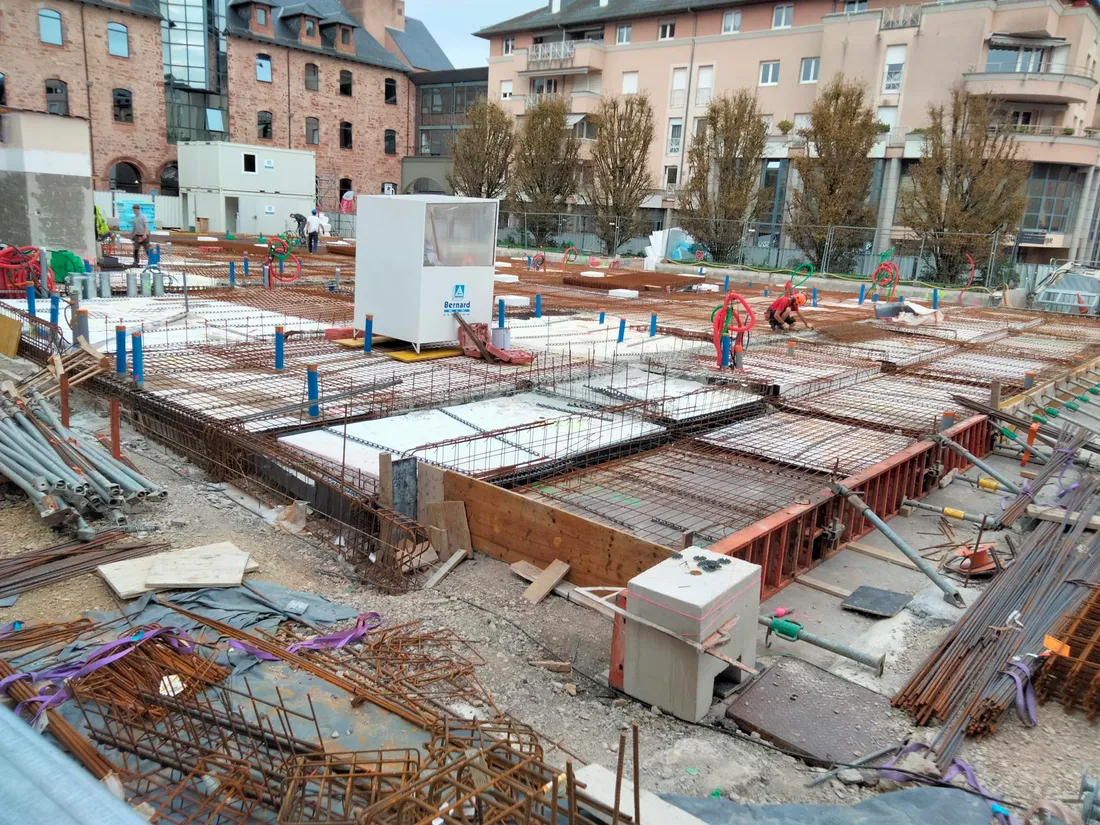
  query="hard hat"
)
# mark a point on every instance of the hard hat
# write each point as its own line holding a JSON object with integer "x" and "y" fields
{"x": 800, "y": 299}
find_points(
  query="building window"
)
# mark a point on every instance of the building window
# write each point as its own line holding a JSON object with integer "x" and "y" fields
{"x": 509, "y": 45}
{"x": 313, "y": 131}
{"x": 769, "y": 73}
{"x": 49, "y": 27}
{"x": 264, "y": 125}
{"x": 704, "y": 85}
{"x": 679, "y": 88}
{"x": 118, "y": 41}
{"x": 1002, "y": 59}
{"x": 345, "y": 135}
{"x": 622, "y": 35}
{"x": 263, "y": 68}
{"x": 506, "y": 90}
{"x": 125, "y": 177}
{"x": 391, "y": 91}
{"x": 803, "y": 122}
{"x": 810, "y": 67}
{"x": 782, "y": 17}
{"x": 389, "y": 143}
{"x": 345, "y": 36}
{"x": 853, "y": 6}
{"x": 895, "y": 65}
{"x": 345, "y": 187}
{"x": 311, "y": 29}
{"x": 666, "y": 31}
{"x": 675, "y": 135}
{"x": 630, "y": 83}
{"x": 345, "y": 83}
{"x": 249, "y": 162}
{"x": 1052, "y": 194}
{"x": 215, "y": 120}
{"x": 888, "y": 116}
{"x": 767, "y": 120}
{"x": 700, "y": 127}
{"x": 672, "y": 176}
{"x": 313, "y": 77}
{"x": 57, "y": 97}
{"x": 731, "y": 22}
{"x": 124, "y": 105}
{"x": 170, "y": 179}
{"x": 3, "y": 91}
{"x": 261, "y": 16}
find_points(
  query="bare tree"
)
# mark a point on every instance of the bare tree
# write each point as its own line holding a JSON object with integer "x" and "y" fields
{"x": 969, "y": 182}
{"x": 835, "y": 176}
{"x": 546, "y": 171}
{"x": 620, "y": 168}
{"x": 721, "y": 190}
{"x": 483, "y": 152}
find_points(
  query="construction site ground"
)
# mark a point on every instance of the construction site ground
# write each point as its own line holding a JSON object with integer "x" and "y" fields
{"x": 481, "y": 600}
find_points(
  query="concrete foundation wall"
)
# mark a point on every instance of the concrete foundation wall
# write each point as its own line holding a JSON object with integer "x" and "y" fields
{"x": 46, "y": 183}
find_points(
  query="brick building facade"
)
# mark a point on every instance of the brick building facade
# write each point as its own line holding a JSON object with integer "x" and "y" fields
{"x": 319, "y": 64}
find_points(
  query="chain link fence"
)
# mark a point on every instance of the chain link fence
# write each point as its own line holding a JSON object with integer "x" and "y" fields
{"x": 952, "y": 259}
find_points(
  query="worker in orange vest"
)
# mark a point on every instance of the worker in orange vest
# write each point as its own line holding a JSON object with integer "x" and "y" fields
{"x": 785, "y": 309}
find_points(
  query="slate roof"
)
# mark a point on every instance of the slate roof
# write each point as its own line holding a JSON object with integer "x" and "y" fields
{"x": 142, "y": 8}
{"x": 419, "y": 47}
{"x": 367, "y": 49}
{"x": 579, "y": 12}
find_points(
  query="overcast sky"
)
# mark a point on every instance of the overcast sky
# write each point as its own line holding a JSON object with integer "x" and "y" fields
{"x": 451, "y": 22}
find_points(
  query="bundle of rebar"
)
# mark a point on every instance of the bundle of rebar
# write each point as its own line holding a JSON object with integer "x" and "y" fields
{"x": 1045, "y": 433}
{"x": 38, "y": 568}
{"x": 51, "y": 633}
{"x": 65, "y": 477}
{"x": 970, "y": 679}
{"x": 1073, "y": 678}
{"x": 1070, "y": 440}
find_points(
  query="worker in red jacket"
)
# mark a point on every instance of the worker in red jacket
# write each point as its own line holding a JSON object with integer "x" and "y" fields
{"x": 785, "y": 309}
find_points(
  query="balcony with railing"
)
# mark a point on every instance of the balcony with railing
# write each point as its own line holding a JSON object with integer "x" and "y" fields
{"x": 535, "y": 98}
{"x": 901, "y": 17}
{"x": 570, "y": 56}
{"x": 1046, "y": 82}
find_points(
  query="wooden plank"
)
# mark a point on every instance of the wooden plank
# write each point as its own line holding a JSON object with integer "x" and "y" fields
{"x": 214, "y": 565}
{"x": 824, "y": 587}
{"x": 451, "y": 516}
{"x": 385, "y": 480}
{"x": 1058, "y": 514}
{"x": 569, "y": 592}
{"x": 11, "y": 330}
{"x": 541, "y": 586}
{"x": 127, "y": 578}
{"x": 511, "y": 527}
{"x": 445, "y": 568}
{"x": 881, "y": 555}
{"x": 429, "y": 489}
{"x": 439, "y": 542}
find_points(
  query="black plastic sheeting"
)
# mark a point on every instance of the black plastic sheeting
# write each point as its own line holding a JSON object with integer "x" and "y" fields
{"x": 917, "y": 806}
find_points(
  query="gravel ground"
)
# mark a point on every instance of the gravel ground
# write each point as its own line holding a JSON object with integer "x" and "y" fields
{"x": 481, "y": 600}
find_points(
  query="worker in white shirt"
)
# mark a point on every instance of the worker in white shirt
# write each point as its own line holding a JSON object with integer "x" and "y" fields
{"x": 313, "y": 230}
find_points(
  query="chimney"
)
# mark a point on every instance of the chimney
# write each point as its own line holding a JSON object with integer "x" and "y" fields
{"x": 376, "y": 15}
{"x": 555, "y": 6}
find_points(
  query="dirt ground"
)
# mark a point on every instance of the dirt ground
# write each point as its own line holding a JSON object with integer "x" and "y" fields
{"x": 482, "y": 601}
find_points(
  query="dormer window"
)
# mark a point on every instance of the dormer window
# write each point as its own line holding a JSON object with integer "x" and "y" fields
{"x": 311, "y": 28}
{"x": 261, "y": 16}
{"x": 345, "y": 36}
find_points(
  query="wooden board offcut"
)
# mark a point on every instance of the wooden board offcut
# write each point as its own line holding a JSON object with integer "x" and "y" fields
{"x": 210, "y": 566}
{"x": 549, "y": 577}
{"x": 451, "y": 516}
{"x": 127, "y": 578}
{"x": 511, "y": 527}
{"x": 11, "y": 329}
{"x": 429, "y": 490}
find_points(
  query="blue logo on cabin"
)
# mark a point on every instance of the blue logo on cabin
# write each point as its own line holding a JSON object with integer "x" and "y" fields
{"x": 460, "y": 291}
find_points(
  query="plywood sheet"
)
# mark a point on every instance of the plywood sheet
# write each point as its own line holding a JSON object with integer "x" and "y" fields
{"x": 511, "y": 527}
{"x": 214, "y": 565}
{"x": 10, "y": 331}
{"x": 127, "y": 578}
{"x": 451, "y": 516}
{"x": 429, "y": 489}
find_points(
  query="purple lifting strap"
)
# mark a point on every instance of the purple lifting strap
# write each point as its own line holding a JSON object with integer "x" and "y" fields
{"x": 1025, "y": 693}
{"x": 365, "y": 623}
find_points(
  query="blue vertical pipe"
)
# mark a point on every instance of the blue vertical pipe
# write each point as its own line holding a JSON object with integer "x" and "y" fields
{"x": 232, "y": 273}
{"x": 622, "y": 330}
{"x": 765, "y": 293}
{"x": 538, "y": 305}
{"x": 120, "y": 350}
{"x": 158, "y": 253}
{"x": 368, "y": 334}
{"x": 280, "y": 348}
{"x": 313, "y": 390}
{"x": 138, "y": 359}
{"x": 725, "y": 350}
{"x": 55, "y": 309}
{"x": 862, "y": 292}
{"x": 500, "y": 313}
{"x": 874, "y": 297}
{"x": 246, "y": 264}
{"x": 901, "y": 299}
{"x": 815, "y": 297}
{"x": 32, "y": 307}
{"x": 935, "y": 299}
{"x": 528, "y": 263}
{"x": 726, "y": 288}
{"x": 87, "y": 265}
{"x": 652, "y": 324}
{"x": 603, "y": 315}
{"x": 280, "y": 267}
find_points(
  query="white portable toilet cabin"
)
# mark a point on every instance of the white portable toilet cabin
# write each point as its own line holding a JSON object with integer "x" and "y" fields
{"x": 422, "y": 259}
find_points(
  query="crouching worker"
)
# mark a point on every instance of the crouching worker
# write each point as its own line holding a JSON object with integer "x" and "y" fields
{"x": 784, "y": 311}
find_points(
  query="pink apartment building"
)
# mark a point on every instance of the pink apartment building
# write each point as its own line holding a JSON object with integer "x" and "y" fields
{"x": 1039, "y": 56}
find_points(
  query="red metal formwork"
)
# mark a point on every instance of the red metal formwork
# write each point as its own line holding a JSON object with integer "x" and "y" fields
{"x": 792, "y": 541}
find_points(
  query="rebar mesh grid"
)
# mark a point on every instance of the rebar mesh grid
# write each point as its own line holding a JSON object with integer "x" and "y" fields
{"x": 1045, "y": 347}
{"x": 217, "y": 791}
{"x": 958, "y": 330}
{"x": 335, "y": 788}
{"x": 809, "y": 443}
{"x": 981, "y": 368}
{"x": 1015, "y": 320}
{"x": 686, "y": 487}
{"x": 1073, "y": 677}
{"x": 910, "y": 406}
